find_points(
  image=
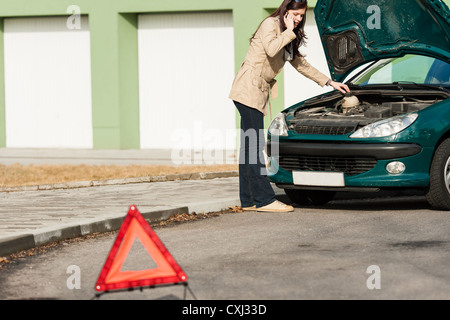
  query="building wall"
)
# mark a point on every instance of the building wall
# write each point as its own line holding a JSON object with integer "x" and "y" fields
{"x": 113, "y": 35}
{"x": 114, "y": 52}
{"x": 2, "y": 91}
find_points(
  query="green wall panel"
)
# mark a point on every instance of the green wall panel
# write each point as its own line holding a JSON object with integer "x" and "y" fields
{"x": 2, "y": 91}
{"x": 128, "y": 81}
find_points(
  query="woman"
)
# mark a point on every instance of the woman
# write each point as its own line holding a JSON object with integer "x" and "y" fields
{"x": 276, "y": 41}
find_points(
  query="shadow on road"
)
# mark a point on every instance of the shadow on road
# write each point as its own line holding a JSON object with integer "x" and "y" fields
{"x": 373, "y": 201}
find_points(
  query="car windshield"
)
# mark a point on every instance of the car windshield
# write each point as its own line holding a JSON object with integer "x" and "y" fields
{"x": 408, "y": 69}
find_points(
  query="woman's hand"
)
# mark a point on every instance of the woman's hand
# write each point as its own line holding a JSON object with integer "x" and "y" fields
{"x": 289, "y": 21}
{"x": 340, "y": 86}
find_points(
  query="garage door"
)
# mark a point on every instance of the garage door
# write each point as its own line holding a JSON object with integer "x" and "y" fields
{"x": 47, "y": 83}
{"x": 186, "y": 67}
{"x": 297, "y": 87}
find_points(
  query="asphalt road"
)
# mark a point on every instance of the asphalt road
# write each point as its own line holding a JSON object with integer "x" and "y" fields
{"x": 388, "y": 248}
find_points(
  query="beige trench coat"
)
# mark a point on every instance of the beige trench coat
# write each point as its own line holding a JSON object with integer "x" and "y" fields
{"x": 265, "y": 59}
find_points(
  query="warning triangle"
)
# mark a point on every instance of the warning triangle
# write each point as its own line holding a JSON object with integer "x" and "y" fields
{"x": 134, "y": 228}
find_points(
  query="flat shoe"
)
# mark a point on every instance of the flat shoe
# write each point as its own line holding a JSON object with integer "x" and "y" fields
{"x": 249, "y": 208}
{"x": 276, "y": 206}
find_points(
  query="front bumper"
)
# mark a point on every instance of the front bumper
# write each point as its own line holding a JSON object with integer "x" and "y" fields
{"x": 363, "y": 164}
{"x": 378, "y": 151}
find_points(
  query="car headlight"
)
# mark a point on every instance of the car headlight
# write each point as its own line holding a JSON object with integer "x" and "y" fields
{"x": 387, "y": 127}
{"x": 278, "y": 127}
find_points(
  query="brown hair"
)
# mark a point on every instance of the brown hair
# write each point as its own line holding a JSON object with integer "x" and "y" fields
{"x": 300, "y": 29}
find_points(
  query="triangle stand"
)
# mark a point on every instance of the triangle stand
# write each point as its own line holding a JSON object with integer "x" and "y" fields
{"x": 167, "y": 272}
{"x": 185, "y": 284}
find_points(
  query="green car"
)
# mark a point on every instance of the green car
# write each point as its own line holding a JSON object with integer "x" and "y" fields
{"x": 393, "y": 130}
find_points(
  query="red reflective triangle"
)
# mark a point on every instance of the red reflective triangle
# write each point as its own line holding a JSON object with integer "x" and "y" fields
{"x": 134, "y": 226}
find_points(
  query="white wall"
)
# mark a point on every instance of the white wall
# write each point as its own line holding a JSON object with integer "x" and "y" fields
{"x": 47, "y": 83}
{"x": 186, "y": 68}
{"x": 298, "y": 87}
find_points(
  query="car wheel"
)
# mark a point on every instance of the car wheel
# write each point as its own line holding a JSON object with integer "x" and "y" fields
{"x": 438, "y": 194}
{"x": 308, "y": 197}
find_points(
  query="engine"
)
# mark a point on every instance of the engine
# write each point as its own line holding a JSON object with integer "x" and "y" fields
{"x": 343, "y": 115}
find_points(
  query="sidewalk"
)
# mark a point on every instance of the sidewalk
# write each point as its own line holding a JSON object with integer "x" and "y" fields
{"x": 33, "y": 216}
{"x": 111, "y": 157}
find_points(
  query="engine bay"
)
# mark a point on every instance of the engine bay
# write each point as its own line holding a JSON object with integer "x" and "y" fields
{"x": 356, "y": 109}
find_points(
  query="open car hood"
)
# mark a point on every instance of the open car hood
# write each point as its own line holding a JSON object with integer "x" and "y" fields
{"x": 355, "y": 32}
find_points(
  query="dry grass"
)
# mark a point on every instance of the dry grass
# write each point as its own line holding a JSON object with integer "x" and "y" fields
{"x": 20, "y": 175}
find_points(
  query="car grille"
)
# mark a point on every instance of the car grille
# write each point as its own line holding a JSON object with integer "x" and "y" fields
{"x": 349, "y": 166}
{"x": 328, "y": 130}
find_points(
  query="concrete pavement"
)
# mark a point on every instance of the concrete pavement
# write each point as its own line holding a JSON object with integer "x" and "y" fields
{"x": 114, "y": 157}
{"x": 32, "y": 216}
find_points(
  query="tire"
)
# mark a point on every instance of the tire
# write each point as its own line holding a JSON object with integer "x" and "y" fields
{"x": 309, "y": 197}
{"x": 438, "y": 195}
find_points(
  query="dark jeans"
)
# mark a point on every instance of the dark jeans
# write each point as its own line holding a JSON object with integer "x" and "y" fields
{"x": 254, "y": 187}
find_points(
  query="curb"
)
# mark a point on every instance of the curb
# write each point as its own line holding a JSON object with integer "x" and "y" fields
{"x": 148, "y": 179}
{"x": 10, "y": 245}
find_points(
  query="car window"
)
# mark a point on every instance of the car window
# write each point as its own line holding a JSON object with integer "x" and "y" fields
{"x": 410, "y": 68}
